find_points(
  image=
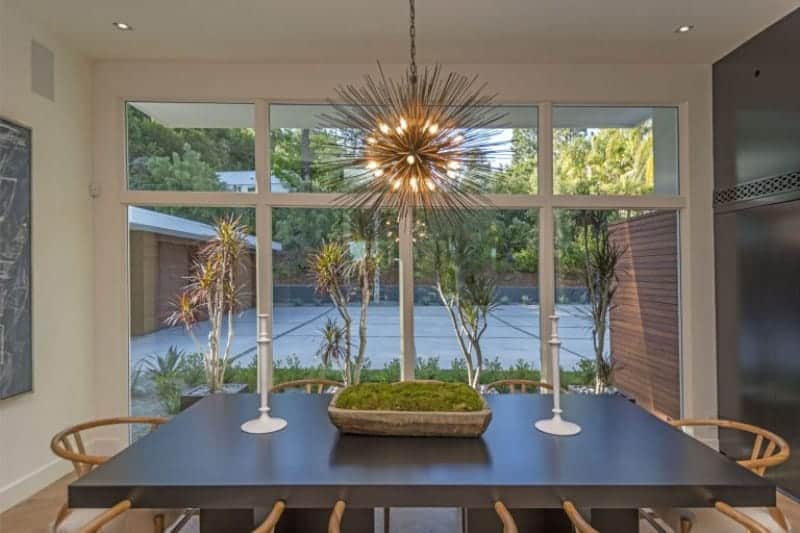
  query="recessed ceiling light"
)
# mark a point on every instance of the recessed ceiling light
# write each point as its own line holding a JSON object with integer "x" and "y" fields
{"x": 122, "y": 26}
{"x": 686, "y": 28}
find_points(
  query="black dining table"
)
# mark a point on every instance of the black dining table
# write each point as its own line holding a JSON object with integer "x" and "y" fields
{"x": 624, "y": 459}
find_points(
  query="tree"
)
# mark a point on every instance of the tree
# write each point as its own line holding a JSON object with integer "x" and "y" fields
{"x": 460, "y": 260}
{"x": 213, "y": 292}
{"x": 601, "y": 260}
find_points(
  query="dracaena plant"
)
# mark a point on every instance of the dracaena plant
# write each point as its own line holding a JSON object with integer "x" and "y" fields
{"x": 213, "y": 293}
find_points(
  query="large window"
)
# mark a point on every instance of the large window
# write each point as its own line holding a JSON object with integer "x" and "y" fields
{"x": 167, "y": 340}
{"x": 191, "y": 147}
{"x": 476, "y": 302}
{"x": 335, "y": 295}
{"x": 617, "y": 296}
{"x": 300, "y": 147}
{"x": 629, "y": 151}
{"x": 341, "y": 286}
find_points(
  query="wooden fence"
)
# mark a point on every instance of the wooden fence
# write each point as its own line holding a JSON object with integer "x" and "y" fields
{"x": 645, "y": 331}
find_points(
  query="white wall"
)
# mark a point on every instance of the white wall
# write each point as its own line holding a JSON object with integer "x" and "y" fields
{"x": 686, "y": 85}
{"x": 63, "y": 267}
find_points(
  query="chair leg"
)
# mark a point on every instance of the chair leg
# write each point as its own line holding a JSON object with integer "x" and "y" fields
{"x": 686, "y": 525}
{"x": 158, "y": 523}
{"x": 779, "y": 517}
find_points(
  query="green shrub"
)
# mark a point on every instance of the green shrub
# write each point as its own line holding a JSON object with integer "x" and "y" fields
{"x": 411, "y": 396}
{"x": 168, "y": 392}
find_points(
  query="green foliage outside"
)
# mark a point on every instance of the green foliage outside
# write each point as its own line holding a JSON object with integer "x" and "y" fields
{"x": 411, "y": 396}
{"x": 502, "y": 244}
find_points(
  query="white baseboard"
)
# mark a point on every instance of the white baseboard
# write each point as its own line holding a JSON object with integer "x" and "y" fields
{"x": 31, "y": 483}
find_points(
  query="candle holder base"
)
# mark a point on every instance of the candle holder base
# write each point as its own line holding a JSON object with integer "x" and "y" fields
{"x": 557, "y": 426}
{"x": 264, "y": 423}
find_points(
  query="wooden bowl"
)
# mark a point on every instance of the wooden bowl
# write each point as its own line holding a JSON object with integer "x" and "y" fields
{"x": 410, "y": 423}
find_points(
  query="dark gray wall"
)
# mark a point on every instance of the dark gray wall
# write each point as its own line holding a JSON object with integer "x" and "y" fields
{"x": 757, "y": 238}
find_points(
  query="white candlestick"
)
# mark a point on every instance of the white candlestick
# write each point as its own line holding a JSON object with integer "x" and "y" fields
{"x": 264, "y": 423}
{"x": 556, "y": 425}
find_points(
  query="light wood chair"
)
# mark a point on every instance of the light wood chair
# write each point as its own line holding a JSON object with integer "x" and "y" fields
{"x": 69, "y": 444}
{"x": 768, "y": 450}
{"x": 578, "y": 521}
{"x": 335, "y": 521}
{"x": 517, "y": 385}
{"x": 269, "y": 523}
{"x": 509, "y": 525}
{"x": 308, "y": 385}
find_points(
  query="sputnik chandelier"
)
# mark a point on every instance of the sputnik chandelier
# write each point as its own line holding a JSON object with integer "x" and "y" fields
{"x": 423, "y": 141}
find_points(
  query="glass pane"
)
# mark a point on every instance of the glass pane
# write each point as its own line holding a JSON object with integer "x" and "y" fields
{"x": 617, "y": 296}
{"x": 615, "y": 150}
{"x": 191, "y": 146}
{"x": 331, "y": 269}
{"x": 166, "y": 248}
{"x": 476, "y": 283}
{"x": 300, "y": 147}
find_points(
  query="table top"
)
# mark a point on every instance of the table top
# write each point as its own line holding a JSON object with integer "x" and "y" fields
{"x": 623, "y": 458}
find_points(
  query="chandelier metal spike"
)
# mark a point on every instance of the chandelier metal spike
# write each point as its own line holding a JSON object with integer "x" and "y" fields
{"x": 424, "y": 141}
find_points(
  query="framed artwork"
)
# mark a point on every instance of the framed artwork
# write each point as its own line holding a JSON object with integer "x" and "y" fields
{"x": 16, "y": 339}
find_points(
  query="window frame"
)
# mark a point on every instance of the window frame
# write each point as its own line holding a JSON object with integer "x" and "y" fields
{"x": 545, "y": 201}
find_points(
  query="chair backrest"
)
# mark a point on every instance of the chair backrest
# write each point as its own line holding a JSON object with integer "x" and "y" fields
{"x": 775, "y": 452}
{"x": 517, "y": 385}
{"x": 509, "y": 524}
{"x": 335, "y": 521}
{"x": 578, "y": 521}
{"x": 69, "y": 443}
{"x": 308, "y": 385}
{"x": 269, "y": 523}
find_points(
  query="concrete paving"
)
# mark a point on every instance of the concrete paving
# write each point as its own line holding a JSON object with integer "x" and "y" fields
{"x": 512, "y": 335}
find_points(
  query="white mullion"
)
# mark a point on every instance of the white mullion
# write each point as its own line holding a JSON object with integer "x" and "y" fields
{"x": 189, "y": 198}
{"x": 262, "y": 156}
{"x": 408, "y": 353}
{"x": 546, "y": 238}
{"x": 264, "y": 269}
{"x": 617, "y": 202}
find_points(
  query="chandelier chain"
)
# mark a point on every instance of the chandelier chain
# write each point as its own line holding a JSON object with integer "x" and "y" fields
{"x": 412, "y": 32}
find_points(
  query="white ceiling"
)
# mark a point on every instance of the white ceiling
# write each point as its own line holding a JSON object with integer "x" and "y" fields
{"x": 449, "y": 31}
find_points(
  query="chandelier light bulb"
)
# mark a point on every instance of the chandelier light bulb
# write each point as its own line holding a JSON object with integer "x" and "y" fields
{"x": 403, "y": 123}
{"x": 433, "y": 129}
{"x": 384, "y": 128}
{"x": 410, "y": 159}
{"x": 430, "y": 184}
{"x": 453, "y": 165}
{"x": 378, "y": 173}
{"x": 458, "y": 139}
{"x": 396, "y": 184}
{"x": 371, "y": 140}
{"x": 413, "y": 183}
{"x": 399, "y": 130}
{"x": 372, "y": 165}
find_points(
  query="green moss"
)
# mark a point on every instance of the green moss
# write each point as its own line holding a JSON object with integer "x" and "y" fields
{"x": 411, "y": 396}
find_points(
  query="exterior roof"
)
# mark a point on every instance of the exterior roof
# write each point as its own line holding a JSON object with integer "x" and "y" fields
{"x": 140, "y": 219}
{"x": 247, "y": 178}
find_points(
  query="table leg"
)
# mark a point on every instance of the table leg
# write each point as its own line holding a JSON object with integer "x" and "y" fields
{"x": 226, "y": 520}
{"x": 617, "y": 520}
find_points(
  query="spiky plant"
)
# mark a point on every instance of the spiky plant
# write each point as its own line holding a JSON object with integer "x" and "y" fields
{"x": 213, "y": 291}
{"x": 331, "y": 267}
{"x": 332, "y": 349}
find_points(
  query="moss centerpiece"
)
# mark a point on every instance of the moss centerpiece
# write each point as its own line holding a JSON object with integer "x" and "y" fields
{"x": 412, "y": 409}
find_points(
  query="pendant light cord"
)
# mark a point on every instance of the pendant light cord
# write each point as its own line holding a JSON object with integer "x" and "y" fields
{"x": 412, "y": 33}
